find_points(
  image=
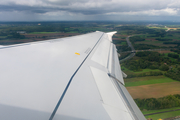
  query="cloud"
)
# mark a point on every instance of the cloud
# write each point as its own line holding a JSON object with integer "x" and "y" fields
{"x": 92, "y": 7}
{"x": 164, "y": 12}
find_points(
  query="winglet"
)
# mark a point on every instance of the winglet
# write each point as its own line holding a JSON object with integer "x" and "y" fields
{"x": 110, "y": 34}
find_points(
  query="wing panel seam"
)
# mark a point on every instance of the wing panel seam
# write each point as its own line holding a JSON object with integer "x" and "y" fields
{"x": 67, "y": 86}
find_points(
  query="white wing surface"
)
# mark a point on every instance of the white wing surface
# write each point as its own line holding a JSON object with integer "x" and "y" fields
{"x": 72, "y": 78}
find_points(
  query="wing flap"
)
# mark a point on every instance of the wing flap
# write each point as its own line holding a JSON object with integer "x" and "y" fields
{"x": 101, "y": 54}
{"x": 107, "y": 90}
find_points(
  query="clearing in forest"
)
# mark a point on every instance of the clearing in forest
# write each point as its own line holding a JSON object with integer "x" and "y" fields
{"x": 154, "y": 90}
{"x": 137, "y": 81}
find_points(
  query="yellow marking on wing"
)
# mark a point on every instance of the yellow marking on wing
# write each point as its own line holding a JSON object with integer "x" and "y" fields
{"x": 77, "y": 53}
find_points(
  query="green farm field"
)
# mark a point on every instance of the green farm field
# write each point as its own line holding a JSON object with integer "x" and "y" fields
{"x": 147, "y": 70}
{"x": 123, "y": 43}
{"x": 154, "y": 90}
{"x": 166, "y": 54}
{"x": 164, "y": 115}
{"x": 156, "y": 43}
{"x": 138, "y": 81}
{"x": 156, "y": 27}
{"x": 161, "y": 110}
{"x": 42, "y": 32}
{"x": 143, "y": 70}
{"x": 128, "y": 72}
{"x": 3, "y": 36}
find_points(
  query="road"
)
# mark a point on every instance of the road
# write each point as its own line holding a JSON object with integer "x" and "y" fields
{"x": 129, "y": 44}
{"x": 128, "y": 57}
{"x": 133, "y": 52}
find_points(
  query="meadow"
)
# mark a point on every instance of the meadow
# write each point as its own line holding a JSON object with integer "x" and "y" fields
{"x": 163, "y": 115}
{"x": 42, "y": 32}
{"x": 138, "y": 81}
{"x": 145, "y": 112}
{"x": 154, "y": 90}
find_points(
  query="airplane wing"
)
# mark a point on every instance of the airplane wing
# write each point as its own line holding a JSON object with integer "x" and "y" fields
{"x": 72, "y": 78}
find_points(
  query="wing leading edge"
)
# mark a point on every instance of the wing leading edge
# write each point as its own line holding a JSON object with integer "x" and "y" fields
{"x": 72, "y": 78}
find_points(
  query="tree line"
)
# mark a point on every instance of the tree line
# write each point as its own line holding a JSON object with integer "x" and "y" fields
{"x": 159, "y": 103}
{"x": 173, "y": 73}
{"x": 136, "y": 39}
{"x": 154, "y": 60}
{"x": 173, "y": 55}
{"x": 148, "y": 59}
{"x": 163, "y": 39}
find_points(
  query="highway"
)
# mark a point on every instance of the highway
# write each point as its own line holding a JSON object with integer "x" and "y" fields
{"x": 129, "y": 44}
{"x": 133, "y": 52}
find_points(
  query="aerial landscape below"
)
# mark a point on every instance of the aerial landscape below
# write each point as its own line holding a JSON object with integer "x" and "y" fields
{"x": 154, "y": 67}
{"x": 144, "y": 33}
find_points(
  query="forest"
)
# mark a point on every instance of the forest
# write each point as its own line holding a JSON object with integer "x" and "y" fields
{"x": 155, "y": 60}
{"x": 148, "y": 59}
{"x": 159, "y": 103}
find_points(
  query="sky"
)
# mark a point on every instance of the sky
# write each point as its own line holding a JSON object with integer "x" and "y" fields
{"x": 90, "y": 10}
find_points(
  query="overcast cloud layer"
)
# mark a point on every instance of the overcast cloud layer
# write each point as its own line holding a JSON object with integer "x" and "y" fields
{"x": 38, "y": 10}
